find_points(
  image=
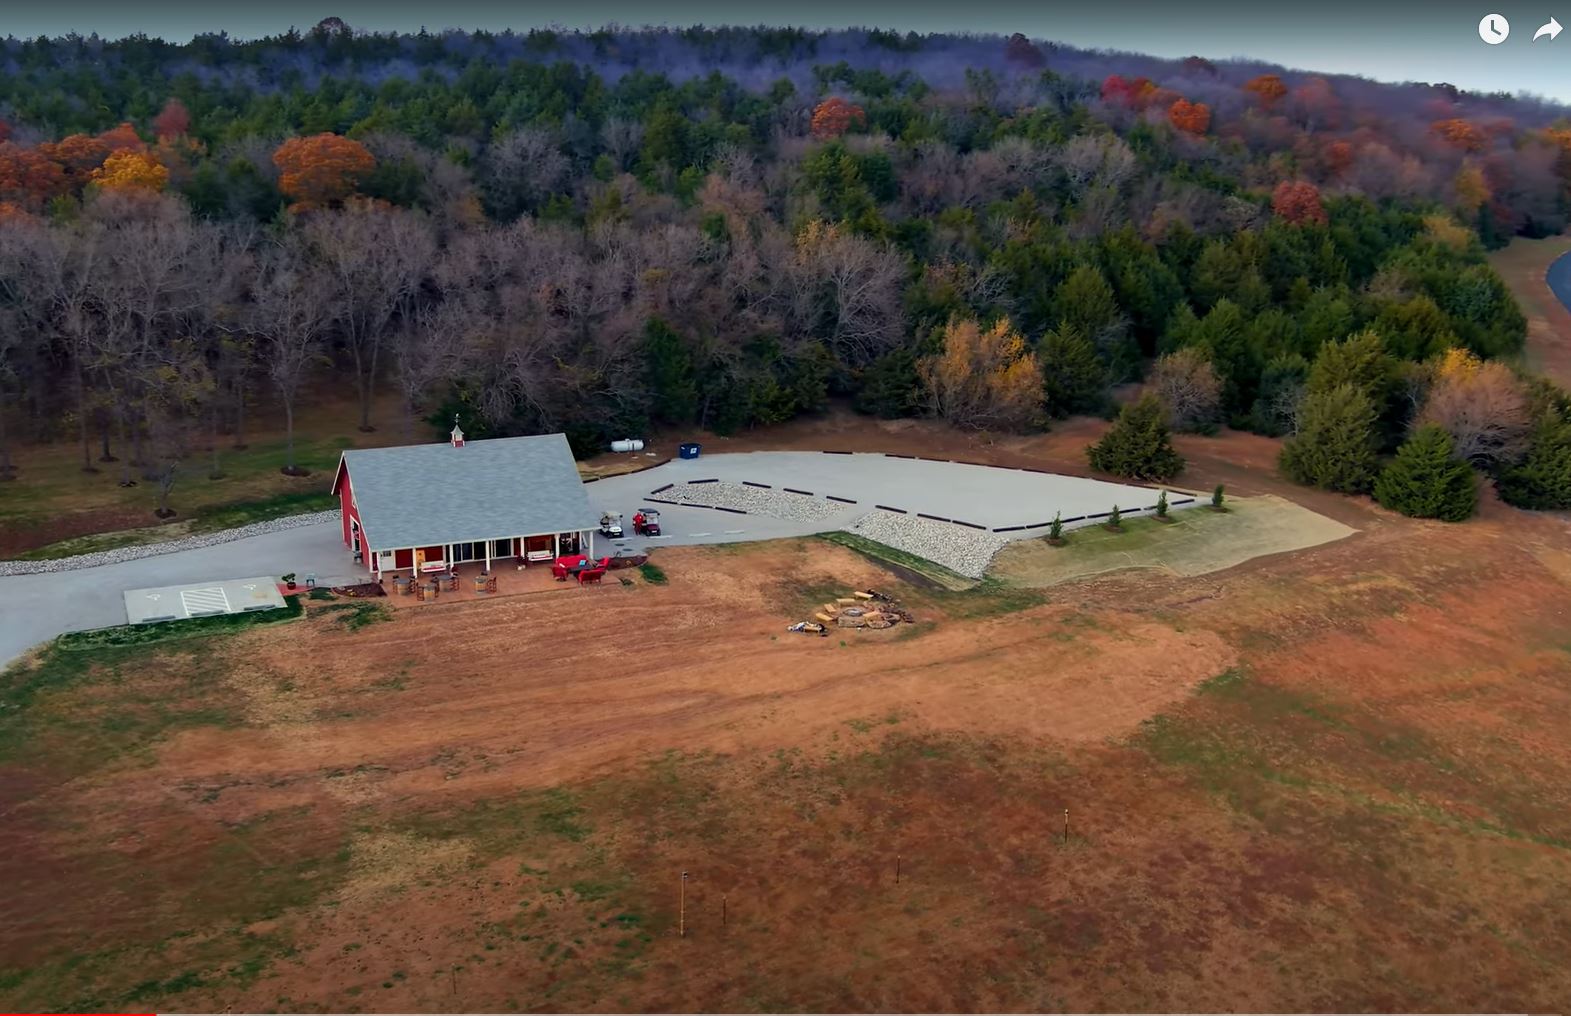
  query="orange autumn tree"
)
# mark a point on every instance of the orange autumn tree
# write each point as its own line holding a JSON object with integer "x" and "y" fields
{"x": 1338, "y": 157}
{"x": 1298, "y": 202}
{"x": 321, "y": 170}
{"x": 1460, "y": 134}
{"x": 131, "y": 171}
{"x": 985, "y": 379}
{"x": 77, "y": 155}
{"x": 1190, "y": 117}
{"x": 834, "y": 116}
{"x": 1268, "y": 88}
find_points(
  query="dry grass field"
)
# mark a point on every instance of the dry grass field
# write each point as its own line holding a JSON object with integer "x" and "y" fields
{"x": 1328, "y": 779}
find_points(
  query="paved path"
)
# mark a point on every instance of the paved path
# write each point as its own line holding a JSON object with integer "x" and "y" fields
{"x": 39, "y": 607}
{"x": 34, "y": 608}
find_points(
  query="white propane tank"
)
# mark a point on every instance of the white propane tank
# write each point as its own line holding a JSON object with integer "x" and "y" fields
{"x": 627, "y": 445}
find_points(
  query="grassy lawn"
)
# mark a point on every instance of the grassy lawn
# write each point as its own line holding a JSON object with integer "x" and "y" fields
{"x": 1196, "y": 542}
{"x": 53, "y": 509}
{"x": 206, "y": 519}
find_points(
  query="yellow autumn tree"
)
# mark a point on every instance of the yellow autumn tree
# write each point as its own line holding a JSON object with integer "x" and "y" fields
{"x": 129, "y": 170}
{"x": 984, "y": 379}
{"x": 1472, "y": 190}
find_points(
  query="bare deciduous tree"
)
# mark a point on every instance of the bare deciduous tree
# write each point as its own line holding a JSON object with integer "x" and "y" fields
{"x": 290, "y": 313}
{"x": 1190, "y": 391}
{"x": 375, "y": 259}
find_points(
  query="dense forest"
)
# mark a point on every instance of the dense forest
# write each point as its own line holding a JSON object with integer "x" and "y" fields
{"x": 602, "y": 232}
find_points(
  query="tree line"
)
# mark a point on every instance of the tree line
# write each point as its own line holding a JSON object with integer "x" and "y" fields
{"x": 533, "y": 247}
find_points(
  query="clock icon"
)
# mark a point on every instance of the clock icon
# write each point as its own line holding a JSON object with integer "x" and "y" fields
{"x": 1493, "y": 29}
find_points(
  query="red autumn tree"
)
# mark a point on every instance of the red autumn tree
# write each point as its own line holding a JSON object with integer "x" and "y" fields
{"x": 123, "y": 138}
{"x": 321, "y": 170}
{"x": 1268, "y": 88}
{"x": 834, "y": 116}
{"x": 173, "y": 121}
{"x": 1190, "y": 117}
{"x": 1298, "y": 202}
{"x": 1130, "y": 92}
{"x": 28, "y": 177}
{"x": 1459, "y": 133}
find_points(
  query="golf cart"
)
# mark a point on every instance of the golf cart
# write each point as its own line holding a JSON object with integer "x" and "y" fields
{"x": 611, "y": 525}
{"x": 646, "y": 522}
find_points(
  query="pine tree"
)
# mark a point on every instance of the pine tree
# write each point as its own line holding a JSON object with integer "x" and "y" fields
{"x": 1074, "y": 379}
{"x": 1217, "y": 497}
{"x": 1055, "y": 532}
{"x": 1335, "y": 445}
{"x": 669, "y": 368}
{"x": 1115, "y": 518}
{"x": 1138, "y": 444}
{"x": 1161, "y": 505}
{"x": 1427, "y": 481}
{"x": 1542, "y": 480}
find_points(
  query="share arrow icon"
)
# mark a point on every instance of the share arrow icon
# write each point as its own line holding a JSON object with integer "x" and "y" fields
{"x": 1552, "y": 29}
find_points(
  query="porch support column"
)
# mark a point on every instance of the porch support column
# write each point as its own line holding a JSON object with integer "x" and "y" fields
{"x": 488, "y": 556}
{"x": 591, "y": 541}
{"x": 556, "y": 545}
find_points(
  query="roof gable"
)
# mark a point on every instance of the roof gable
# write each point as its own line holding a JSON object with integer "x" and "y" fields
{"x": 422, "y": 495}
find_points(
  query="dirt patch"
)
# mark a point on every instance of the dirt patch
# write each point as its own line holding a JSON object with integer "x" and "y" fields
{"x": 1198, "y": 541}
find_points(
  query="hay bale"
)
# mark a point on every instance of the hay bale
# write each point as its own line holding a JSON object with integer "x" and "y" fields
{"x": 846, "y": 601}
{"x": 823, "y": 618}
{"x": 862, "y": 596}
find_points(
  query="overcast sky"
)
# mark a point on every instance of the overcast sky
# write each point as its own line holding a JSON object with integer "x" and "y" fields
{"x": 1388, "y": 41}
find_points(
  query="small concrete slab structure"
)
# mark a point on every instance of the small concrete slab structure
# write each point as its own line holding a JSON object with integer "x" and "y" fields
{"x": 203, "y": 599}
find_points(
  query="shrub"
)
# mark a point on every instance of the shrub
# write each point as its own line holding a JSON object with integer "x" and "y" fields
{"x": 1138, "y": 445}
{"x": 1217, "y": 497}
{"x": 1335, "y": 445}
{"x": 1056, "y": 530}
{"x": 1426, "y": 480}
{"x": 1115, "y": 518}
{"x": 1161, "y": 505}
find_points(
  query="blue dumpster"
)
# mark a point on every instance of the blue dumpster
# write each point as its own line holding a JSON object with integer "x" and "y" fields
{"x": 688, "y": 451}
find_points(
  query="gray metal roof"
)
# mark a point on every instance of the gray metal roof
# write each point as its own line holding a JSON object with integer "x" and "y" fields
{"x": 429, "y": 494}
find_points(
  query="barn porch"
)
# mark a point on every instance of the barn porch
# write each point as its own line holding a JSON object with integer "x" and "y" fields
{"x": 523, "y": 553}
{"x": 462, "y": 587}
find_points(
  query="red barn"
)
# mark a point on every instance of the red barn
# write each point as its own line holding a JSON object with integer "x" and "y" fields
{"x": 428, "y": 507}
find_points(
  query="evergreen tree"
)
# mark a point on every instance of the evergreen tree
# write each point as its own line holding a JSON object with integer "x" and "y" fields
{"x": 1335, "y": 444}
{"x": 1161, "y": 504}
{"x": 1085, "y": 301}
{"x": 669, "y": 369}
{"x": 1427, "y": 481}
{"x": 1074, "y": 380}
{"x": 1138, "y": 444}
{"x": 1542, "y": 480}
{"x": 891, "y": 387}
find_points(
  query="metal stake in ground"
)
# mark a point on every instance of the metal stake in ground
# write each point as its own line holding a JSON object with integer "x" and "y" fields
{"x": 897, "y": 869}
{"x": 681, "y": 909}
{"x": 722, "y": 910}
{"x": 1066, "y": 827}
